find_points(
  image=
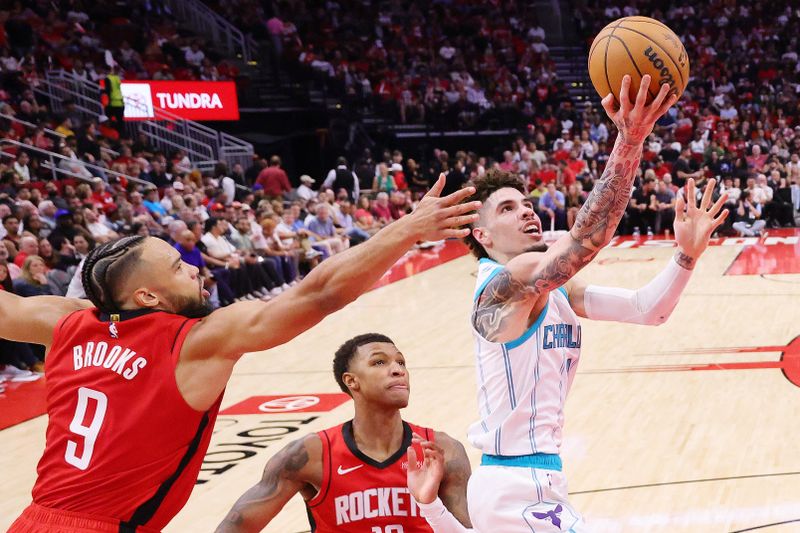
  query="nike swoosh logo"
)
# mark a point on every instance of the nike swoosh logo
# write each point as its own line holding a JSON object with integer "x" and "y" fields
{"x": 342, "y": 471}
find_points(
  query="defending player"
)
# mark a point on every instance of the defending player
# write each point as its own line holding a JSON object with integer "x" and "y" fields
{"x": 526, "y": 328}
{"x": 134, "y": 386}
{"x": 353, "y": 476}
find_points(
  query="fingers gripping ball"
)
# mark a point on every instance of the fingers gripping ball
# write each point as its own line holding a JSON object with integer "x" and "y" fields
{"x": 637, "y": 46}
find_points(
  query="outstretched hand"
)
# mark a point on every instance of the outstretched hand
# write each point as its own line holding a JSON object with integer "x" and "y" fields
{"x": 694, "y": 225}
{"x": 635, "y": 120}
{"x": 438, "y": 218}
{"x": 424, "y": 477}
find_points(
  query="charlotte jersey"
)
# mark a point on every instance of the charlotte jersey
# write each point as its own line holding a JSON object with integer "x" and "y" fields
{"x": 121, "y": 441}
{"x": 360, "y": 494}
{"x": 523, "y": 384}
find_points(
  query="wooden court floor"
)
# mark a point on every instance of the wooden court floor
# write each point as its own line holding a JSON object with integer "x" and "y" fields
{"x": 688, "y": 427}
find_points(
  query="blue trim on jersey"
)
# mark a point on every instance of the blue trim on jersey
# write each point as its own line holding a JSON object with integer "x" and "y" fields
{"x": 532, "y": 429}
{"x": 564, "y": 292}
{"x": 509, "y": 378}
{"x": 484, "y": 260}
{"x": 531, "y": 330}
{"x": 489, "y": 278}
{"x": 544, "y": 461}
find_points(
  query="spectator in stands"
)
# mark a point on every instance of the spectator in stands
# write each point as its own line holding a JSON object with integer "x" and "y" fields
{"x": 748, "y": 217}
{"x": 33, "y": 279}
{"x": 686, "y": 167}
{"x": 323, "y": 231}
{"x": 552, "y": 206}
{"x": 342, "y": 177}
{"x": 304, "y": 191}
{"x": 380, "y": 209}
{"x": 643, "y": 207}
{"x": 575, "y": 198}
{"x": 274, "y": 180}
{"x": 153, "y": 204}
{"x": 665, "y": 200}
{"x": 28, "y": 246}
{"x": 115, "y": 108}
{"x": 383, "y": 181}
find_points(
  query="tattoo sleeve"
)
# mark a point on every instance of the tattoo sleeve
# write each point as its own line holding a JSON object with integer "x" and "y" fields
{"x": 594, "y": 227}
{"x": 253, "y": 510}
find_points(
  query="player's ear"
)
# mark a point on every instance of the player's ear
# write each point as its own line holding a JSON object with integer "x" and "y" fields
{"x": 350, "y": 381}
{"x": 482, "y": 235}
{"x": 145, "y": 298}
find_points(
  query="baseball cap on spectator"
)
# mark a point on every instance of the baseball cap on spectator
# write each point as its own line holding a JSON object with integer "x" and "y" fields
{"x": 217, "y": 207}
{"x": 178, "y": 186}
{"x": 167, "y": 220}
{"x": 236, "y": 205}
{"x": 63, "y": 213}
{"x": 246, "y": 207}
{"x": 308, "y": 180}
{"x": 258, "y": 187}
{"x": 396, "y": 167}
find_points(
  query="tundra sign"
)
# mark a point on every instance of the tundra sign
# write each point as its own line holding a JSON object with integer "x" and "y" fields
{"x": 191, "y": 100}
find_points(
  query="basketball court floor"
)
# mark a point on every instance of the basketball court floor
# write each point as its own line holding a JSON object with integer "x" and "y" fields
{"x": 688, "y": 427}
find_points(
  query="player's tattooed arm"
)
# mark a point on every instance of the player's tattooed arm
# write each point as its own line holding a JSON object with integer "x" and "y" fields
{"x": 453, "y": 489}
{"x": 284, "y": 476}
{"x": 507, "y": 299}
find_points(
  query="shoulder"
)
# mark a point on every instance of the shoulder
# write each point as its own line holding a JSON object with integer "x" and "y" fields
{"x": 452, "y": 447}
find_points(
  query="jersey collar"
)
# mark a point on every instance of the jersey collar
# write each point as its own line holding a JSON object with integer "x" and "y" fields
{"x": 349, "y": 439}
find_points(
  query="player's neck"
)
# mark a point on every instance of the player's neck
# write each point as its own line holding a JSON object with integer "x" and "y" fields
{"x": 378, "y": 432}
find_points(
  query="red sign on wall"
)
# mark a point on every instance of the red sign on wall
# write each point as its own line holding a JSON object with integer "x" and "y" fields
{"x": 190, "y": 100}
{"x": 289, "y": 403}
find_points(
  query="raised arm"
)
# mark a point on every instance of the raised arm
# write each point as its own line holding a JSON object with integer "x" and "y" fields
{"x": 653, "y": 304}
{"x": 507, "y": 301}
{"x": 217, "y": 342}
{"x": 297, "y": 466}
{"x": 34, "y": 319}
{"x": 439, "y": 483}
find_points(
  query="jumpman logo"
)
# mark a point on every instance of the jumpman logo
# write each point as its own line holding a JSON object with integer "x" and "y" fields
{"x": 551, "y": 515}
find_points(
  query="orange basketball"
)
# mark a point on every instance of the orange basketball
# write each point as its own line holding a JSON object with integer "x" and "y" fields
{"x": 637, "y": 46}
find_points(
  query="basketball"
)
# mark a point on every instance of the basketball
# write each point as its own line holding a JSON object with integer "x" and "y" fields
{"x": 637, "y": 46}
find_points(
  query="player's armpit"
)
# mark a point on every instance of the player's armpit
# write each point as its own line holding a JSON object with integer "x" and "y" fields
{"x": 295, "y": 466}
{"x": 457, "y": 470}
{"x": 34, "y": 319}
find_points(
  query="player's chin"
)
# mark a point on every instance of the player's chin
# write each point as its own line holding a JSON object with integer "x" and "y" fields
{"x": 538, "y": 245}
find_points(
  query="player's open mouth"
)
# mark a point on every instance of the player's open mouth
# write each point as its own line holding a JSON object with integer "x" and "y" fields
{"x": 531, "y": 228}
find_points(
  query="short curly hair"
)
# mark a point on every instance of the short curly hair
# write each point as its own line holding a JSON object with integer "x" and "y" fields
{"x": 346, "y": 352}
{"x": 486, "y": 185}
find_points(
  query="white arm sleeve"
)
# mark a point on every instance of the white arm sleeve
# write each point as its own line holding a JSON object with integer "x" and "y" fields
{"x": 651, "y": 305}
{"x": 440, "y": 519}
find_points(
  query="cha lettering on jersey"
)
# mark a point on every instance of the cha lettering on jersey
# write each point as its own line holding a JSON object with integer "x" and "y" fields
{"x": 374, "y": 503}
{"x": 561, "y": 336}
{"x": 124, "y": 361}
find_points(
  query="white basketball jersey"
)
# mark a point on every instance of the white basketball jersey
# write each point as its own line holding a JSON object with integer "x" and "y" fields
{"x": 523, "y": 384}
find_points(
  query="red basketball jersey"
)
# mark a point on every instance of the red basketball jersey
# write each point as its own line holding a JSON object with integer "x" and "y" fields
{"x": 361, "y": 495}
{"x": 121, "y": 441}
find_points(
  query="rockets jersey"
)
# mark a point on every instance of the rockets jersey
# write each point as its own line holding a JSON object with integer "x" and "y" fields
{"x": 523, "y": 384}
{"x": 361, "y": 495}
{"x": 122, "y": 443}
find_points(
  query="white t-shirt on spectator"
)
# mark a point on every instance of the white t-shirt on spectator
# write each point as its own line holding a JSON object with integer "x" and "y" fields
{"x": 305, "y": 192}
{"x": 536, "y": 31}
{"x": 697, "y": 146}
{"x": 229, "y": 188}
{"x": 98, "y": 229}
{"x": 447, "y": 52}
{"x": 218, "y": 247}
{"x": 23, "y": 171}
{"x": 194, "y": 58}
{"x": 729, "y": 113}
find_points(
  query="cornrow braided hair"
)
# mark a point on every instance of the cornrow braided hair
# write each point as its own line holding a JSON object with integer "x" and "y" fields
{"x": 105, "y": 267}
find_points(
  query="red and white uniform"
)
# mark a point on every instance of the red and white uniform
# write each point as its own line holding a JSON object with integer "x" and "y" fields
{"x": 123, "y": 445}
{"x": 361, "y": 495}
